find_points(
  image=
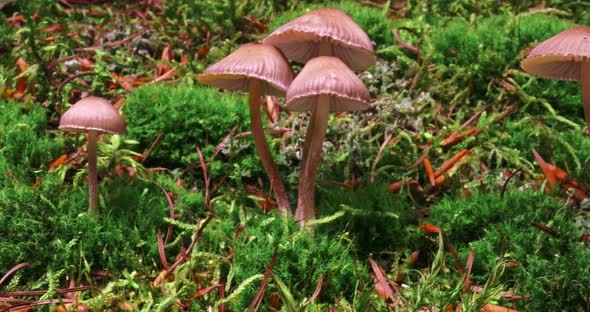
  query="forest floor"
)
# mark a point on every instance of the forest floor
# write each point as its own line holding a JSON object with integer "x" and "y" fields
{"x": 464, "y": 187}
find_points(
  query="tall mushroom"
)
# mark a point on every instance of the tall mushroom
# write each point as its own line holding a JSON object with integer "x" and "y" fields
{"x": 565, "y": 56}
{"x": 259, "y": 70}
{"x": 324, "y": 85}
{"x": 321, "y": 32}
{"x": 324, "y": 32}
{"x": 92, "y": 115}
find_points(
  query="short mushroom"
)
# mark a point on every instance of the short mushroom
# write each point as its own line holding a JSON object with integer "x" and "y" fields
{"x": 325, "y": 84}
{"x": 259, "y": 70}
{"x": 92, "y": 115}
{"x": 565, "y": 56}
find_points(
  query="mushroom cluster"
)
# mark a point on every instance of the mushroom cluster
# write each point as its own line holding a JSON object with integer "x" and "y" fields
{"x": 332, "y": 45}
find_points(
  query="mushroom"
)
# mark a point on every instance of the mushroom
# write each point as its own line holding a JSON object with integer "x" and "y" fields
{"x": 92, "y": 115}
{"x": 565, "y": 56}
{"x": 259, "y": 70}
{"x": 322, "y": 32}
{"x": 325, "y": 84}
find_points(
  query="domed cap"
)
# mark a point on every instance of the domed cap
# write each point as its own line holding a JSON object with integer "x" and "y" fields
{"x": 299, "y": 39}
{"x": 92, "y": 114}
{"x": 559, "y": 57}
{"x": 327, "y": 75}
{"x": 251, "y": 60}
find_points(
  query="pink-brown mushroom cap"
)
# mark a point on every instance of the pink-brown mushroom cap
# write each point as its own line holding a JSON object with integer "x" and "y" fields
{"x": 252, "y": 60}
{"x": 559, "y": 57}
{"x": 92, "y": 114}
{"x": 299, "y": 39}
{"x": 330, "y": 76}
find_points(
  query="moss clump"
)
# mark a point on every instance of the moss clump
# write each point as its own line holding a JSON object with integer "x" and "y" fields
{"x": 378, "y": 221}
{"x": 189, "y": 116}
{"x": 553, "y": 271}
{"x": 481, "y": 50}
{"x": 48, "y": 227}
{"x": 302, "y": 258}
{"x": 24, "y": 144}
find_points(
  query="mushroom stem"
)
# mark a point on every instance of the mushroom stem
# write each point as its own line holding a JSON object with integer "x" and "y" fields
{"x": 316, "y": 132}
{"x": 585, "y": 82}
{"x": 92, "y": 176}
{"x": 325, "y": 49}
{"x": 263, "y": 150}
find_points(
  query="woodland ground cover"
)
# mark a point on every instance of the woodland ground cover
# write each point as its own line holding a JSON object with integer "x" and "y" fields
{"x": 187, "y": 220}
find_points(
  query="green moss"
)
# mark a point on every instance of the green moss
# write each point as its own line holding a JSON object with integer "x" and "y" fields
{"x": 189, "y": 116}
{"x": 553, "y": 271}
{"x": 48, "y": 227}
{"x": 482, "y": 49}
{"x": 24, "y": 144}
{"x": 301, "y": 259}
{"x": 378, "y": 221}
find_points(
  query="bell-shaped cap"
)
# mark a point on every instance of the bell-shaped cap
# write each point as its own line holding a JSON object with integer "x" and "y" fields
{"x": 250, "y": 61}
{"x": 559, "y": 57}
{"x": 92, "y": 114}
{"x": 327, "y": 75}
{"x": 300, "y": 39}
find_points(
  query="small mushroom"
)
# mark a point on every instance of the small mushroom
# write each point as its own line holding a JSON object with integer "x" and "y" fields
{"x": 92, "y": 115}
{"x": 325, "y": 84}
{"x": 259, "y": 70}
{"x": 565, "y": 56}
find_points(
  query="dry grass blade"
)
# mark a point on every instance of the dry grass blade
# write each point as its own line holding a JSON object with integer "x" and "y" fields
{"x": 469, "y": 265}
{"x": 496, "y": 308}
{"x": 379, "y": 155}
{"x": 162, "y": 251}
{"x": 429, "y": 171}
{"x": 182, "y": 256}
{"x": 219, "y": 146}
{"x": 454, "y": 254}
{"x": 60, "y": 291}
{"x": 27, "y": 307}
{"x": 255, "y": 304}
{"x": 381, "y": 280}
{"x": 316, "y": 293}
{"x": 11, "y": 271}
{"x": 147, "y": 152}
{"x": 170, "y": 211}
{"x": 545, "y": 229}
{"x": 552, "y": 173}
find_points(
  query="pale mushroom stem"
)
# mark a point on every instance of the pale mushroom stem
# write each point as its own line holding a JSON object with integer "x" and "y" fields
{"x": 263, "y": 150}
{"x": 319, "y": 118}
{"x": 325, "y": 49}
{"x": 585, "y": 82}
{"x": 92, "y": 176}
{"x": 306, "y": 199}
